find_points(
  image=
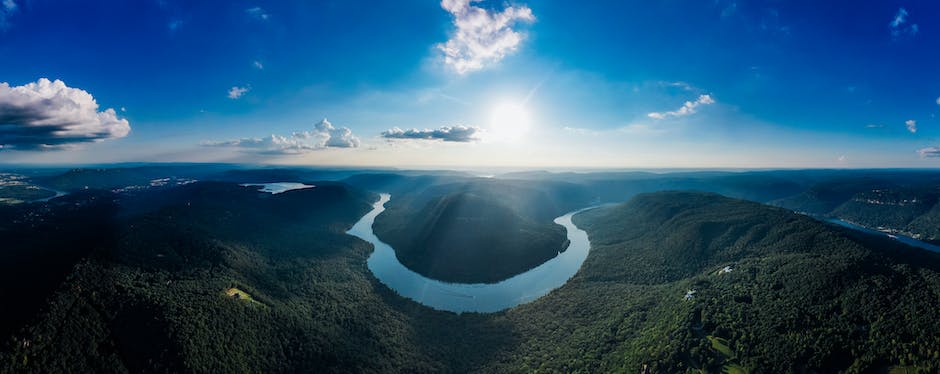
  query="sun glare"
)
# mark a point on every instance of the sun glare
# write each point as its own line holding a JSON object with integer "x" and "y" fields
{"x": 509, "y": 122}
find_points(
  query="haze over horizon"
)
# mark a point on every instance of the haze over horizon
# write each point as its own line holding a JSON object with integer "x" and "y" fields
{"x": 472, "y": 84}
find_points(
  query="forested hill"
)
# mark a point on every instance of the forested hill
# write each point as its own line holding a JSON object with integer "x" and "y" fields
{"x": 214, "y": 277}
{"x": 475, "y": 232}
{"x": 774, "y": 291}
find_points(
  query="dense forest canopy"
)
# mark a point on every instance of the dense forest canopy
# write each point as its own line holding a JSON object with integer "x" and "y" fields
{"x": 211, "y": 276}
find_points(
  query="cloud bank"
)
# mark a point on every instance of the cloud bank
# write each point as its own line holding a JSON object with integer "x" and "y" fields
{"x": 48, "y": 115}
{"x": 324, "y": 135}
{"x": 457, "y": 133}
{"x": 688, "y": 108}
{"x": 482, "y": 36}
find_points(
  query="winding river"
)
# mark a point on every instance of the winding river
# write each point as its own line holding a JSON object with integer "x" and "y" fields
{"x": 481, "y": 297}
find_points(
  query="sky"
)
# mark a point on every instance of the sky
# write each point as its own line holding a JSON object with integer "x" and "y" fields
{"x": 457, "y": 83}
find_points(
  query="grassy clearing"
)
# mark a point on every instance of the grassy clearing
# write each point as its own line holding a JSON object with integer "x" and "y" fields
{"x": 733, "y": 369}
{"x": 236, "y": 293}
{"x": 720, "y": 345}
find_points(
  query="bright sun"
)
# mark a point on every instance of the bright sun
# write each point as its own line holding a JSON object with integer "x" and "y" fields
{"x": 509, "y": 122}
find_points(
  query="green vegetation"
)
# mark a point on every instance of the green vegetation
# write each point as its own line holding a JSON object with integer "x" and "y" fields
{"x": 472, "y": 233}
{"x": 135, "y": 282}
{"x": 720, "y": 345}
{"x": 18, "y": 194}
{"x": 904, "y": 202}
{"x": 238, "y": 294}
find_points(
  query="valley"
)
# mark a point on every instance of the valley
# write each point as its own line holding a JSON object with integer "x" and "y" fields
{"x": 673, "y": 281}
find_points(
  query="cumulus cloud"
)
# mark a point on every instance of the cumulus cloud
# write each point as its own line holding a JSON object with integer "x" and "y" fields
{"x": 236, "y": 92}
{"x": 457, "y": 133}
{"x": 258, "y": 65}
{"x": 911, "y": 125}
{"x": 323, "y": 135}
{"x": 929, "y": 152}
{"x": 688, "y": 108}
{"x": 50, "y": 115}
{"x": 898, "y": 27}
{"x": 258, "y": 13}
{"x": 7, "y": 8}
{"x": 482, "y": 36}
{"x": 938, "y": 101}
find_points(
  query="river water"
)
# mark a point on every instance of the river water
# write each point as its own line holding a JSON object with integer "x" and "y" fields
{"x": 463, "y": 297}
{"x": 901, "y": 238}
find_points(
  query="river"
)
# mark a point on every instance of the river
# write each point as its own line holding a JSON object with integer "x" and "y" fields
{"x": 480, "y": 297}
{"x": 901, "y": 238}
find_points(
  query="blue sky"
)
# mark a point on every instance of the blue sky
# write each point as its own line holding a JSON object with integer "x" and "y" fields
{"x": 435, "y": 84}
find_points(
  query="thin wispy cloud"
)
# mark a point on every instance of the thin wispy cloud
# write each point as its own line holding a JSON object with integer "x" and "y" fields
{"x": 899, "y": 24}
{"x": 457, "y": 133}
{"x": 324, "y": 135}
{"x": 680, "y": 85}
{"x": 236, "y": 92}
{"x": 690, "y": 107}
{"x": 482, "y": 37}
{"x": 258, "y": 65}
{"x": 258, "y": 13}
{"x": 911, "y": 125}
{"x": 874, "y": 126}
{"x": 48, "y": 115}
{"x": 938, "y": 101}
{"x": 7, "y": 8}
{"x": 929, "y": 152}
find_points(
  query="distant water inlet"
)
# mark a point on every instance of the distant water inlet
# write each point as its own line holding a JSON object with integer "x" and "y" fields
{"x": 479, "y": 297}
{"x": 279, "y": 187}
{"x": 901, "y": 238}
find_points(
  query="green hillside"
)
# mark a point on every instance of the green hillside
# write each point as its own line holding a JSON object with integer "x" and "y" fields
{"x": 153, "y": 294}
{"x": 478, "y": 232}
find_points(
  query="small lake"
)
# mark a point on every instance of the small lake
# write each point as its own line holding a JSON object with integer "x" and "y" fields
{"x": 463, "y": 297}
{"x": 901, "y": 238}
{"x": 279, "y": 187}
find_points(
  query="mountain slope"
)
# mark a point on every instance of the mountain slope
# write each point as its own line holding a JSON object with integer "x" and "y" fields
{"x": 470, "y": 238}
{"x": 801, "y": 295}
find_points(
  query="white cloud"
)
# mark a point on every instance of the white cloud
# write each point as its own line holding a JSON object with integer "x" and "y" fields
{"x": 258, "y": 65}
{"x": 446, "y": 133}
{"x": 938, "y": 101}
{"x": 323, "y": 135}
{"x": 237, "y": 92}
{"x": 929, "y": 152}
{"x": 874, "y": 126}
{"x": 688, "y": 108}
{"x": 482, "y": 36}
{"x": 6, "y": 11}
{"x": 50, "y": 115}
{"x": 258, "y": 13}
{"x": 898, "y": 24}
{"x": 911, "y": 125}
